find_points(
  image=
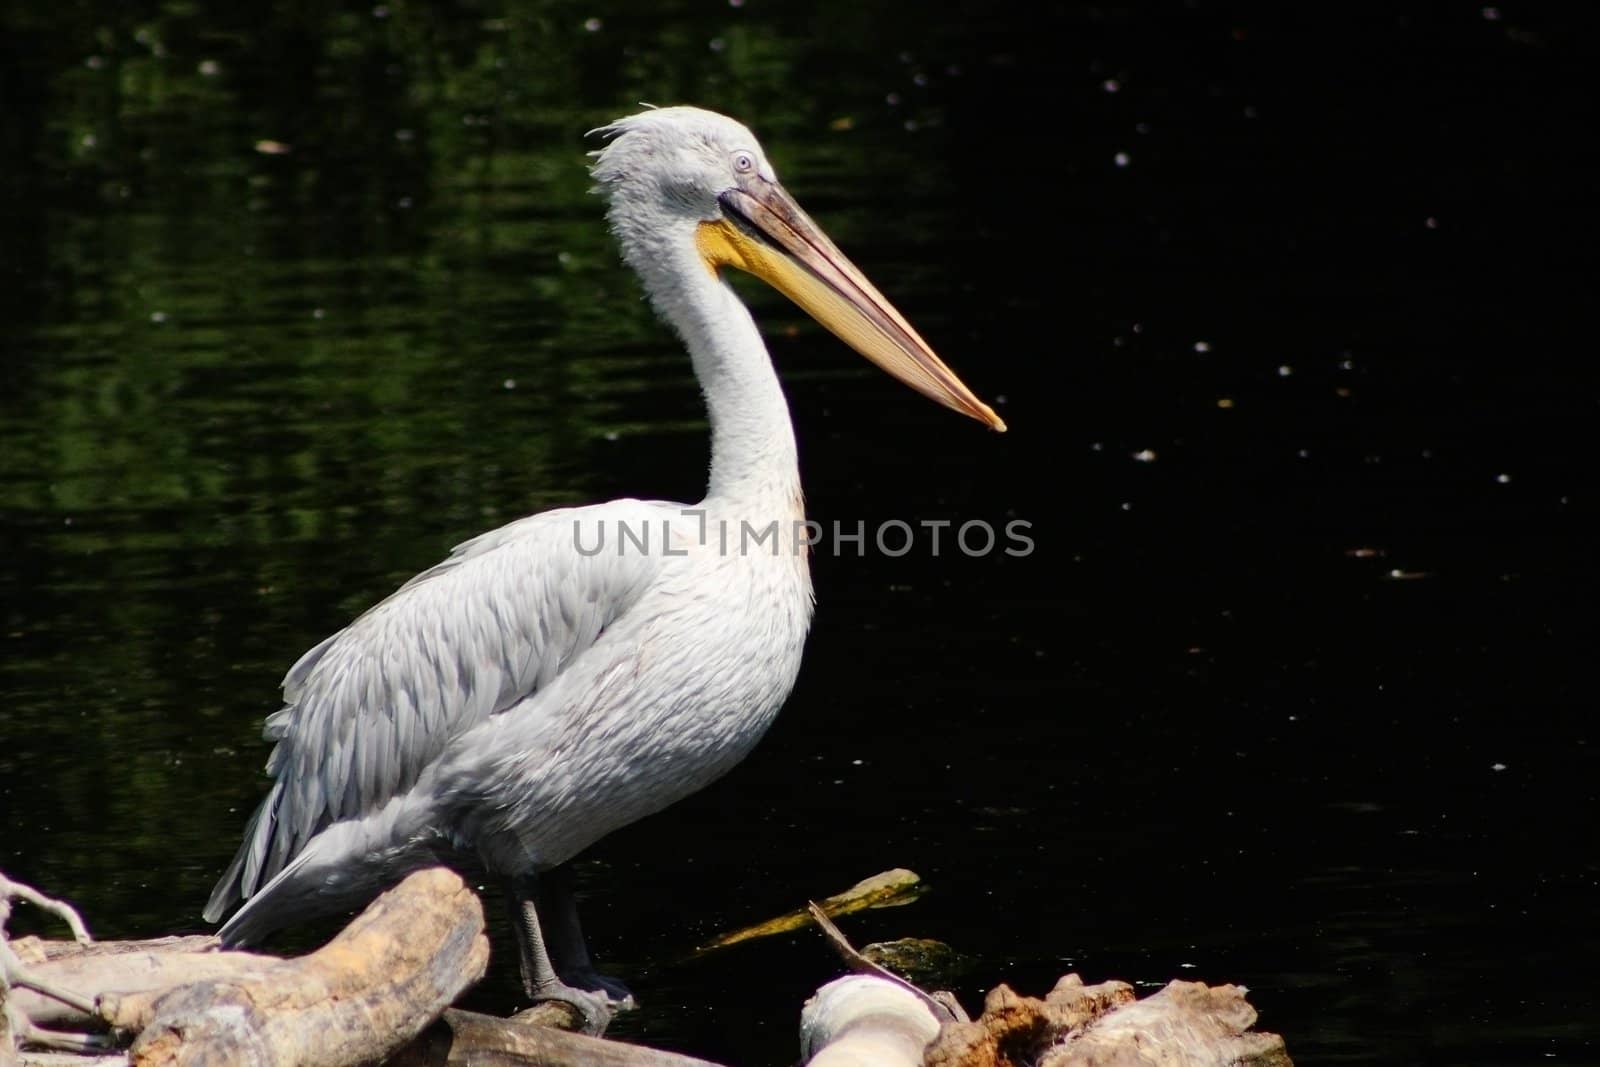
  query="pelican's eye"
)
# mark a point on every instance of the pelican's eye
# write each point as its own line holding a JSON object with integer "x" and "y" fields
{"x": 744, "y": 162}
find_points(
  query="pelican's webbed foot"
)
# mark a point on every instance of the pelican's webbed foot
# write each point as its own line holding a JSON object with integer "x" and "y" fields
{"x": 594, "y": 1009}
{"x": 591, "y": 981}
{"x": 555, "y": 961}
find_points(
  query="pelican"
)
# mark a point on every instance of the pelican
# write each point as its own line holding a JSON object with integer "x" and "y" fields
{"x": 579, "y": 669}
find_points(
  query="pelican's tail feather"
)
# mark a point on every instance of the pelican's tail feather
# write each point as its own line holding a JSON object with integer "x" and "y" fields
{"x": 243, "y": 875}
{"x": 342, "y": 868}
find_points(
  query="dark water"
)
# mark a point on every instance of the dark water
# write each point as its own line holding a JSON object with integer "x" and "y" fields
{"x": 1295, "y": 690}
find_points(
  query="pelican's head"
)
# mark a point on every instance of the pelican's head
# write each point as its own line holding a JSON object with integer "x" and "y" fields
{"x": 680, "y": 174}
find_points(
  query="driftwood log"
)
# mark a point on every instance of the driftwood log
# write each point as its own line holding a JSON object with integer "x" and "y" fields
{"x": 364, "y": 995}
{"x": 865, "y": 1021}
{"x": 877, "y": 1019}
{"x": 117, "y": 971}
{"x": 1186, "y": 1023}
{"x": 379, "y": 993}
{"x": 462, "y": 1038}
{"x": 357, "y": 999}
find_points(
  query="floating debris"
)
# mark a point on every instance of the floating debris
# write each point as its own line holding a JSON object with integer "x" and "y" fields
{"x": 1399, "y": 575}
{"x": 919, "y": 959}
{"x": 887, "y": 890}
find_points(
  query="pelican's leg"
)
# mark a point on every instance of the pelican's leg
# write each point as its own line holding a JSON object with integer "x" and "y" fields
{"x": 564, "y": 938}
{"x": 539, "y": 978}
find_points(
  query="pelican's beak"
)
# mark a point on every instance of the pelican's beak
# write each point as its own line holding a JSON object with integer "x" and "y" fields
{"x": 764, "y": 232}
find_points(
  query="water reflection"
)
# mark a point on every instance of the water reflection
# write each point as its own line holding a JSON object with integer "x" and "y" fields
{"x": 299, "y": 301}
{"x": 296, "y": 298}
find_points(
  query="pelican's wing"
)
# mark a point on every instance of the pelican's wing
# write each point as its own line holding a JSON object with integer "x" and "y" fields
{"x": 367, "y": 709}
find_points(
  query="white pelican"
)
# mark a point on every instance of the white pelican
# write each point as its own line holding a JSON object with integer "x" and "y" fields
{"x": 512, "y": 705}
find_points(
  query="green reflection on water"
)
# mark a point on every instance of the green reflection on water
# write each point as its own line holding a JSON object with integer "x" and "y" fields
{"x": 295, "y": 300}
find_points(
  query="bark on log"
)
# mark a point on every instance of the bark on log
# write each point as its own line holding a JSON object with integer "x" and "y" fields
{"x": 365, "y": 994}
{"x": 34, "y": 950}
{"x": 465, "y": 1037}
{"x": 1187, "y": 1024}
{"x": 127, "y": 983}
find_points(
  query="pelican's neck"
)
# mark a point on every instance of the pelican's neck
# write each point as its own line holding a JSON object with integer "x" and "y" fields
{"x": 753, "y": 459}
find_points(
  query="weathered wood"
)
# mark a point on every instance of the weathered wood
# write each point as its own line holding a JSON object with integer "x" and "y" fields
{"x": 366, "y": 993}
{"x": 125, "y": 984}
{"x": 10, "y": 890}
{"x": 1015, "y": 1028}
{"x": 371, "y": 991}
{"x": 862, "y": 1020}
{"x": 461, "y": 1038}
{"x": 17, "y": 976}
{"x": 554, "y": 1014}
{"x": 1187, "y": 1024}
{"x": 33, "y": 950}
{"x": 8, "y": 1041}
